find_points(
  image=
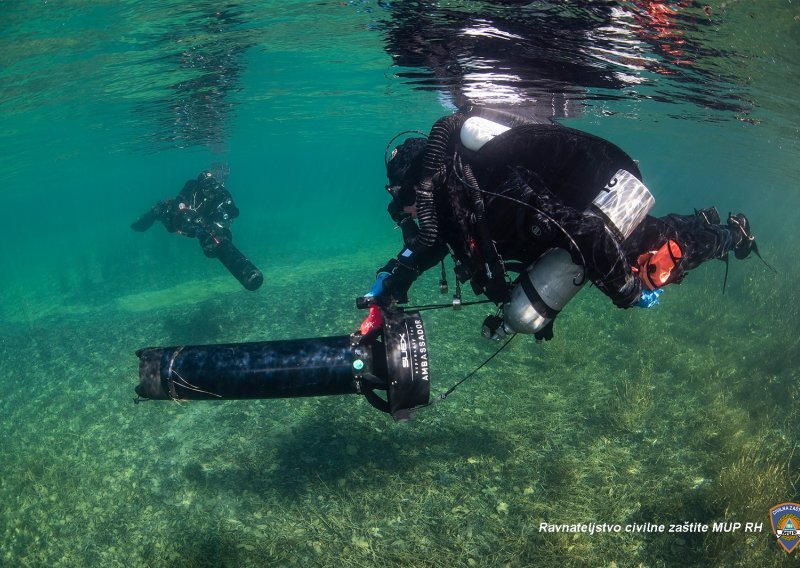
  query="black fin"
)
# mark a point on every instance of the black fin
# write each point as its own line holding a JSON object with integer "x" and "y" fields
{"x": 758, "y": 254}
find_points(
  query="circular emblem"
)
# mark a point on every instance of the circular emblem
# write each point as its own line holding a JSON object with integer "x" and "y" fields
{"x": 788, "y": 527}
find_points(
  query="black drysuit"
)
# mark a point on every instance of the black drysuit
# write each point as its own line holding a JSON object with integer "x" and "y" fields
{"x": 536, "y": 183}
{"x": 204, "y": 209}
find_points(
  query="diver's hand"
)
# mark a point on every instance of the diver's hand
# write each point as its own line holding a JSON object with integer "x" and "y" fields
{"x": 379, "y": 287}
{"x": 649, "y": 298}
{"x": 390, "y": 287}
{"x": 377, "y": 293}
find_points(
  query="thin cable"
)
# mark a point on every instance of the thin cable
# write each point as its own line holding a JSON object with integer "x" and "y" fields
{"x": 449, "y": 391}
{"x": 439, "y": 306}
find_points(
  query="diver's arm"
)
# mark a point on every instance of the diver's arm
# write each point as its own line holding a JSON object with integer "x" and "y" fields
{"x": 622, "y": 286}
{"x": 399, "y": 273}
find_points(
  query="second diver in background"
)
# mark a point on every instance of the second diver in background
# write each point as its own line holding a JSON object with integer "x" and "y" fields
{"x": 204, "y": 209}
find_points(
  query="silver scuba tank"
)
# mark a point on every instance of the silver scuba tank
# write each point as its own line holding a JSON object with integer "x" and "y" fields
{"x": 542, "y": 292}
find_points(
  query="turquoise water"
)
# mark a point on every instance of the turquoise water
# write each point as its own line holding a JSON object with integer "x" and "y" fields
{"x": 687, "y": 413}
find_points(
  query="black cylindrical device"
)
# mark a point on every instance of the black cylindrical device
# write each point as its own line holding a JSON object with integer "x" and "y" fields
{"x": 395, "y": 361}
{"x": 239, "y": 265}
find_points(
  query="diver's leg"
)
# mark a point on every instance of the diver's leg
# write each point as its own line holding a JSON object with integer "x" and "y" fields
{"x": 145, "y": 221}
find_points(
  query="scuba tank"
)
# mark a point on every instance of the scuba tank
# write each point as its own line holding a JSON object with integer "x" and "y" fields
{"x": 548, "y": 284}
{"x": 484, "y": 123}
{"x": 546, "y": 287}
{"x": 554, "y": 279}
{"x": 477, "y": 131}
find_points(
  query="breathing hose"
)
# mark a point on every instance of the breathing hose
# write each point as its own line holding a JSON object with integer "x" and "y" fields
{"x": 432, "y": 161}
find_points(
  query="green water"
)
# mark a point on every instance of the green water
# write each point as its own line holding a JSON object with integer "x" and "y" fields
{"x": 685, "y": 413}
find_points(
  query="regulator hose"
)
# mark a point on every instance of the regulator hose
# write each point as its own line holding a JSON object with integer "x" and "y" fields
{"x": 495, "y": 287}
{"x": 474, "y": 191}
{"x": 432, "y": 162}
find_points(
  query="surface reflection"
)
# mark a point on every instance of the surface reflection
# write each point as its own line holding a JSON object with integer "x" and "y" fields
{"x": 554, "y": 57}
{"x": 197, "y": 109}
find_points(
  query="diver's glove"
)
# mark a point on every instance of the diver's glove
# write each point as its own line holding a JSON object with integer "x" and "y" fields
{"x": 379, "y": 287}
{"x": 145, "y": 221}
{"x": 373, "y": 323}
{"x": 162, "y": 210}
{"x": 379, "y": 294}
{"x": 649, "y": 298}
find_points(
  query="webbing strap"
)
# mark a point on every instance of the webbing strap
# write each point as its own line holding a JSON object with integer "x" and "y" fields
{"x": 536, "y": 300}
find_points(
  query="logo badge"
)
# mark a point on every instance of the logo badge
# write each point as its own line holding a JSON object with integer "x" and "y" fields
{"x": 785, "y": 519}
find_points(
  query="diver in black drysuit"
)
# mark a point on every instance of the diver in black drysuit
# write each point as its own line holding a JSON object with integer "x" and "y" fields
{"x": 524, "y": 192}
{"x": 204, "y": 209}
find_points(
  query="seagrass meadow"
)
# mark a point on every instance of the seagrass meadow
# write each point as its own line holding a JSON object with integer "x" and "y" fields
{"x": 684, "y": 415}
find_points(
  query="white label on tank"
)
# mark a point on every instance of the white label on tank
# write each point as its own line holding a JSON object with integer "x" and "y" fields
{"x": 625, "y": 201}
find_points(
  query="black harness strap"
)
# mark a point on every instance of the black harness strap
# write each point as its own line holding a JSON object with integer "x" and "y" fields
{"x": 536, "y": 300}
